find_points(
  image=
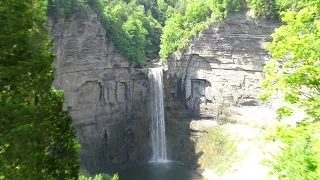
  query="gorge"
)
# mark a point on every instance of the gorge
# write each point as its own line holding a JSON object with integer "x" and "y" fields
{"x": 107, "y": 95}
{"x": 160, "y": 89}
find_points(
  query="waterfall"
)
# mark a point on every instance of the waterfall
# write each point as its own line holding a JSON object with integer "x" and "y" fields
{"x": 157, "y": 124}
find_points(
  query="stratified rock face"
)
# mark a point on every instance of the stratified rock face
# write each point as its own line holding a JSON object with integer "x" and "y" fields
{"x": 222, "y": 66}
{"x": 106, "y": 96}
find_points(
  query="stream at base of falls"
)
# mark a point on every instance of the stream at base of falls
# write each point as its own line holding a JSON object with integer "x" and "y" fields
{"x": 159, "y": 168}
{"x": 159, "y": 171}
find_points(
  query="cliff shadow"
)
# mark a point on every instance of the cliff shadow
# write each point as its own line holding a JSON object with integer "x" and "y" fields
{"x": 181, "y": 137}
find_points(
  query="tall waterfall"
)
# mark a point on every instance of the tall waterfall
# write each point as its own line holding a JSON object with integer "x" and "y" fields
{"x": 157, "y": 125}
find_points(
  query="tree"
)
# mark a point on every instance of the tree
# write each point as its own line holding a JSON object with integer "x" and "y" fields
{"x": 133, "y": 29}
{"x": 265, "y": 9}
{"x": 37, "y": 137}
{"x": 188, "y": 17}
{"x": 295, "y": 71}
{"x": 68, "y": 8}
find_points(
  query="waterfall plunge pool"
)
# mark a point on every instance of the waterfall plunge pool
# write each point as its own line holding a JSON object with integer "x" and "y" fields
{"x": 159, "y": 171}
{"x": 160, "y": 168}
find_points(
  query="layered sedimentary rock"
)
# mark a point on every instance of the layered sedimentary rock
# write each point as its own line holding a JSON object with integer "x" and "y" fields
{"x": 221, "y": 67}
{"x": 106, "y": 95}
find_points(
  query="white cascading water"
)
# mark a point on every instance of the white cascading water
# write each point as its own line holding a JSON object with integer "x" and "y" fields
{"x": 157, "y": 124}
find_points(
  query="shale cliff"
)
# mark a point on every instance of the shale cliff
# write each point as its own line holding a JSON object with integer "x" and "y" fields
{"x": 221, "y": 67}
{"x": 106, "y": 96}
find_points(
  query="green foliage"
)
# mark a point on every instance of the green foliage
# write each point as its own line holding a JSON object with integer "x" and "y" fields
{"x": 299, "y": 154}
{"x": 191, "y": 17}
{"x": 132, "y": 28}
{"x": 219, "y": 149}
{"x": 156, "y": 7}
{"x": 271, "y": 9}
{"x": 264, "y": 9}
{"x": 67, "y": 8}
{"x": 129, "y": 24}
{"x": 135, "y": 26}
{"x": 295, "y": 5}
{"x": 295, "y": 72}
{"x": 297, "y": 75}
{"x": 283, "y": 111}
{"x": 37, "y": 137}
{"x": 100, "y": 177}
{"x": 222, "y": 8}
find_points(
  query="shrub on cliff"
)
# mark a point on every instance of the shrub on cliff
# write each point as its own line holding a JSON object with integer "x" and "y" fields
{"x": 67, "y": 8}
{"x": 271, "y": 9}
{"x": 219, "y": 149}
{"x": 189, "y": 17}
{"x": 135, "y": 26}
{"x": 99, "y": 177}
{"x": 133, "y": 30}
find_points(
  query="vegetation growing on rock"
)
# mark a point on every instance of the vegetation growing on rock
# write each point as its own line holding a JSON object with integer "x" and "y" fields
{"x": 142, "y": 29}
{"x": 219, "y": 149}
{"x": 183, "y": 22}
{"x": 99, "y": 177}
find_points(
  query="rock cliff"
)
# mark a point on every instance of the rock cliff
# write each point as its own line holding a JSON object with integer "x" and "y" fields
{"x": 221, "y": 67}
{"x": 106, "y": 96}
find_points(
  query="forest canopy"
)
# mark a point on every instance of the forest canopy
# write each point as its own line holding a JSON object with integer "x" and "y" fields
{"x": 144, "y": 29}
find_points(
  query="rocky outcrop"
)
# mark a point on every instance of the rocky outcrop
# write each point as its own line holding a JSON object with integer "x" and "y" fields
{"x": 106, "y": 95}
{"x": 221, "y": 67}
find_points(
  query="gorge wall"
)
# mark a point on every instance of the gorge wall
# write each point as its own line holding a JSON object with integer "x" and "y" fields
{"x": 108, "y": 97}
{"x": 221, "y": 67}
{"x": 105, "y": 94}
